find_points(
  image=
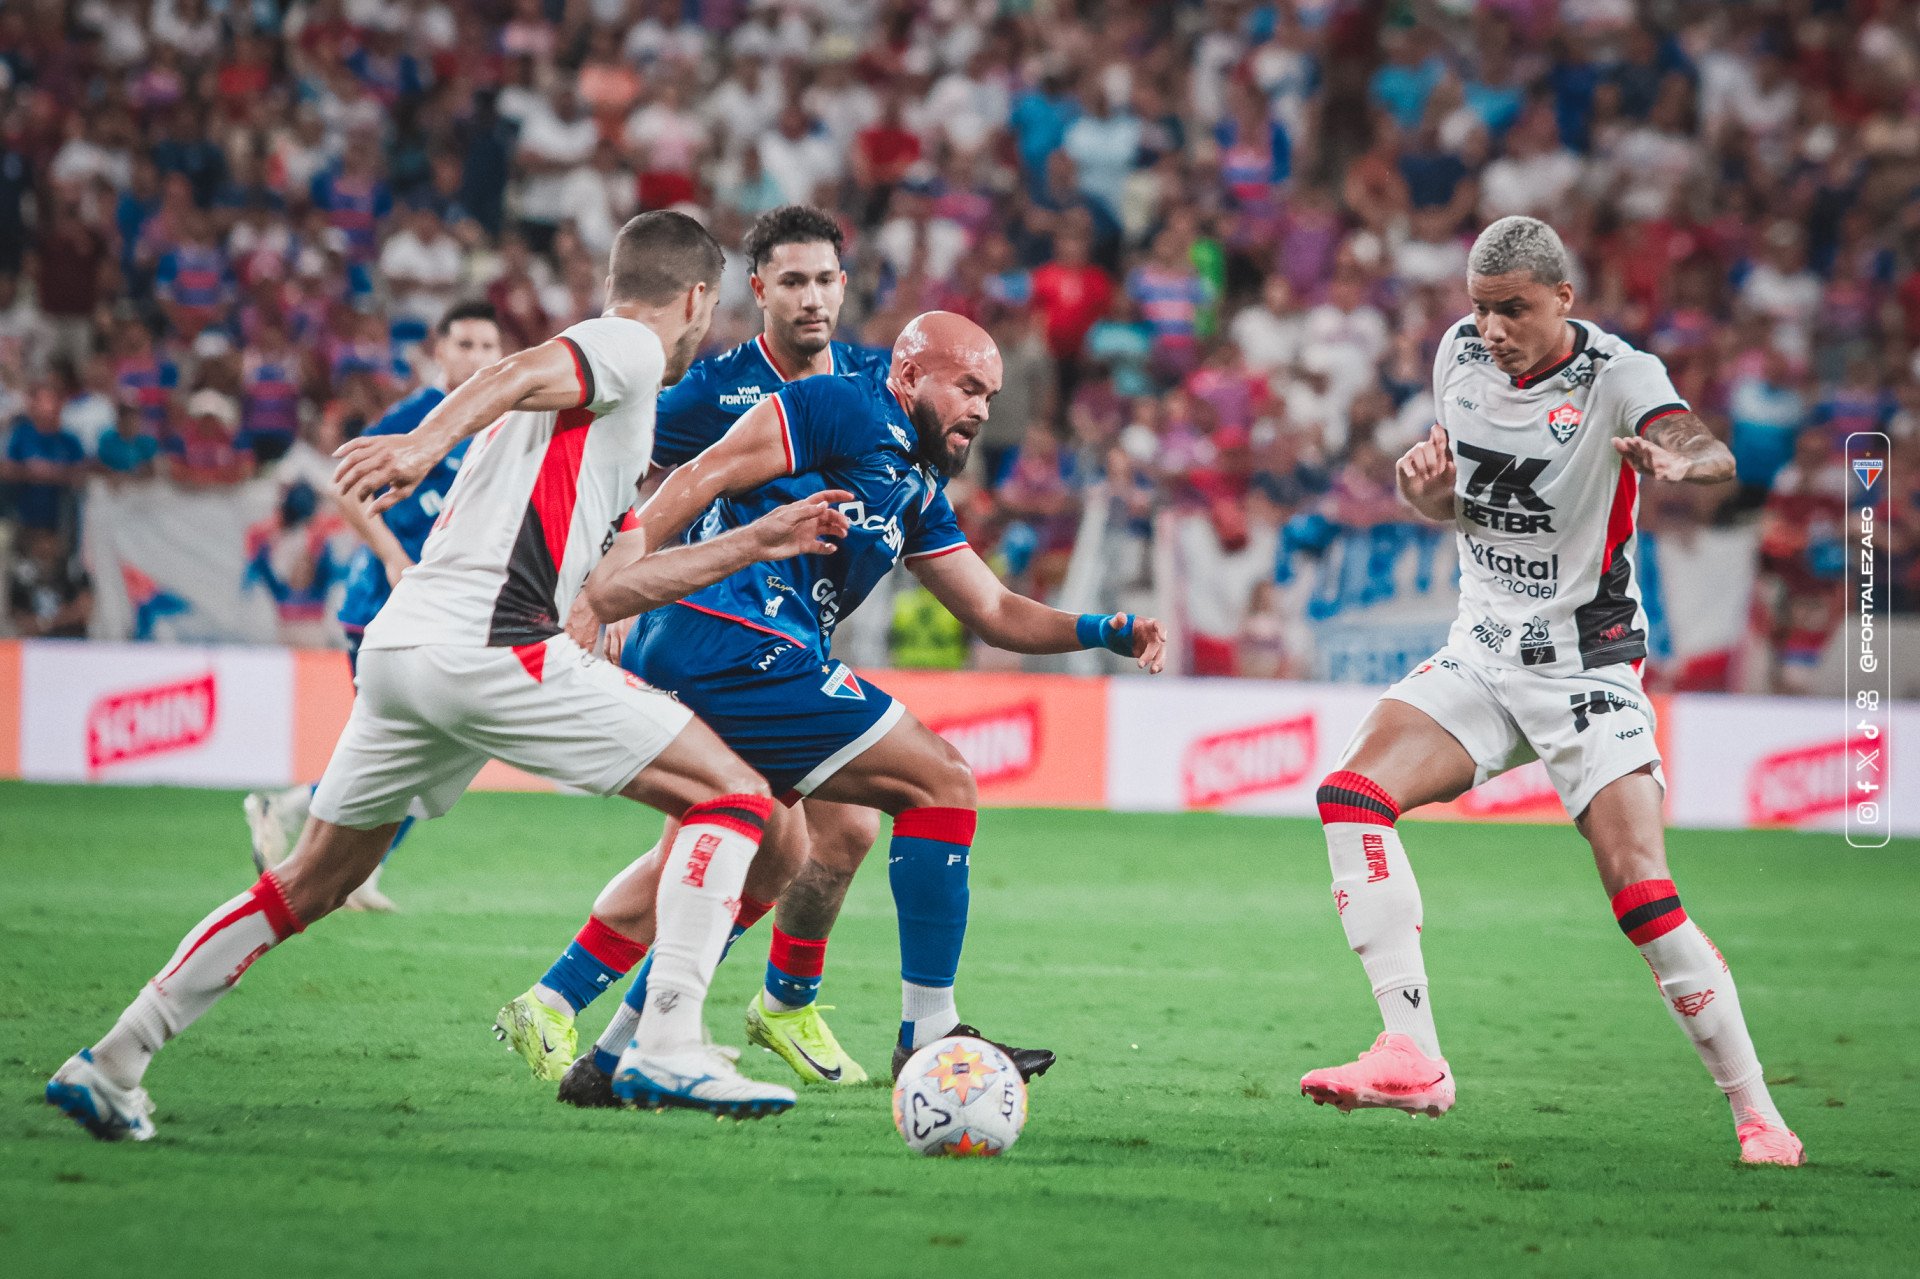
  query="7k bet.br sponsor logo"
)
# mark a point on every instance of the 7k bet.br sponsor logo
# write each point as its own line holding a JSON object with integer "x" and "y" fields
{"x": 1248, "y": 761}
{"x": 145, "y": 722}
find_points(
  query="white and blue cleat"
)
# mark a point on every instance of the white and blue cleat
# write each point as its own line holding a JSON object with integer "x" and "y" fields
{"x": 696, "y": 1077}
{"x": 90, "y": 1100}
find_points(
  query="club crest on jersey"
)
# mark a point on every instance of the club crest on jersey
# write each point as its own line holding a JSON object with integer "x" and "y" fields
{"x": 1868, "y": 469}
{"x": 843, "y": 683}
{"x": 1564, "y": 421}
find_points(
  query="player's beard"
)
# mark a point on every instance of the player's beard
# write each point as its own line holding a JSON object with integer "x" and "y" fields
{"x": 944, "y": 450}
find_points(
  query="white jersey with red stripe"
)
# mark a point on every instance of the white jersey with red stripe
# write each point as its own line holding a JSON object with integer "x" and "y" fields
{"x": 1545, "y": 506}
{"x": 535, "y": 505}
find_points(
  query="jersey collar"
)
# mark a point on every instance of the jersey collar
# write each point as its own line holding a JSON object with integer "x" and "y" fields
{"x": 1579, "y": 345}
{"x": 766, "y": 353}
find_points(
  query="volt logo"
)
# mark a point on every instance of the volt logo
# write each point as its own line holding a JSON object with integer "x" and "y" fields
{"x": 1501, "y": 482}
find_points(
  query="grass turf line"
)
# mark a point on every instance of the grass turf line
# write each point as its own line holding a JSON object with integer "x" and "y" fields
{"x": 347, "y": 1107}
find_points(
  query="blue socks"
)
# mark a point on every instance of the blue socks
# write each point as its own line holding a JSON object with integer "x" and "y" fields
{"x": 927, "y": 867}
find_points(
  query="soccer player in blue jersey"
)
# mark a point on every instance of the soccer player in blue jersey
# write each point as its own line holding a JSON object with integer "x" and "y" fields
{"x": 751, "y": 654}
{"x": 466, "y": 340}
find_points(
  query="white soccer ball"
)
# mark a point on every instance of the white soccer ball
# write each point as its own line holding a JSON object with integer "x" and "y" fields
{"x": 960, "y": 1096}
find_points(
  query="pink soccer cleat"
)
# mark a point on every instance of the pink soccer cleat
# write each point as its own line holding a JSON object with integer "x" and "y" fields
{"x": 1393, "y": 1074}
{"x": 1764, "y": 1142}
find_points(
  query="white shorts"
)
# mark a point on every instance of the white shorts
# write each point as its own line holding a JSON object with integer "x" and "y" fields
{"x": 1589, "y": 727}
{"x": 426, "y": 719}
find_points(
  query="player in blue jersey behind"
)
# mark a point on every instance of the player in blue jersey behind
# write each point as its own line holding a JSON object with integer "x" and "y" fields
{"x": 751, "y": 654}
{"x": 466, "y": 340}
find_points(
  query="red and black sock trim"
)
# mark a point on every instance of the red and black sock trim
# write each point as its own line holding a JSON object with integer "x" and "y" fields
{"x": 743, "y": 814}
{"x": 1648, "y": 909}
{"x": 1354, "y": 797}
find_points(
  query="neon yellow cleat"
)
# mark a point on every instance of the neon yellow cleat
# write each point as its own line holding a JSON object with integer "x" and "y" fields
{"x": 804, "y": 1041}
{"x": 543, "y": 1037}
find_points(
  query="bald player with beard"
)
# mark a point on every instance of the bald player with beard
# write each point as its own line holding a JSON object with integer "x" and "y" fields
{"x": 751, "y": 654}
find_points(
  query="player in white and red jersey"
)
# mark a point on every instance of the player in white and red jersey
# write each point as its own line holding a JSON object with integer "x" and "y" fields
{"x": 468, "y": 662}
{"x": 1545, "y": 425}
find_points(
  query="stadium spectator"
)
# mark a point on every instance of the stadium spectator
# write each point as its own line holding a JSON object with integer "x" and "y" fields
{"x": 48, "y": 595}
{"x": 422, "y": 265}
{"x": 203, "y": 449}
{"x": 127, "y": 452}
{"x": 1765, "y": 411}
{"x": 44, "y": 462}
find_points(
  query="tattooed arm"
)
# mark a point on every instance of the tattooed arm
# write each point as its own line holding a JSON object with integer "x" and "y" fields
{"x": 1678, "y": 447}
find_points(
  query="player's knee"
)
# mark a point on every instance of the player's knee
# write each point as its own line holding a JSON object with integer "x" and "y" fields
{"x": 735, "y": 778}
{"x": 951, "y": 783}
{"x": 841, "y": 847}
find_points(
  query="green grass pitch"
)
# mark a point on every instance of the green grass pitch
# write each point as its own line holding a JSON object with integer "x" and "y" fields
{"x": 346, "y": 1111}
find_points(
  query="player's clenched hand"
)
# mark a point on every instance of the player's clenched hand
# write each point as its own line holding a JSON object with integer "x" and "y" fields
{"x": 1425, "y": 474}
{"x": 381, "y": 469}
{"x": 1649, "y": 458}
{"x": 801, "y": 528}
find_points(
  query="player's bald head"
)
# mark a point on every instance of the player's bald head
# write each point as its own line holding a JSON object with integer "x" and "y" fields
{"x": 948, "y": 371}
{"x": 946, "y": 344}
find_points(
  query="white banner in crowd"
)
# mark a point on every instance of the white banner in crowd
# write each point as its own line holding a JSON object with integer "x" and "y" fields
{"x": 171, "y": 564}
{"x": 213, "y": 716}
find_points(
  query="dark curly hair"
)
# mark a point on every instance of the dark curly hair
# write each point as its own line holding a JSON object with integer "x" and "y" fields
{"x": 791, "y": 224}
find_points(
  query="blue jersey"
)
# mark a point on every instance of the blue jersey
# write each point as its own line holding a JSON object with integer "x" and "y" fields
{"x": 701, "y": 407}
{"x": 410, "y": 519}
{"x": 847, "y": 432}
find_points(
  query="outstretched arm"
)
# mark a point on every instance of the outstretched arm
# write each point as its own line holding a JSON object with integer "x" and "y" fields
{"x": 384, "y": 468}
{"x": 637, "y": 582}
{"x": 632, "y": 578}
{"x": 962, "y": 581}
{"x": 1678, "y": 447}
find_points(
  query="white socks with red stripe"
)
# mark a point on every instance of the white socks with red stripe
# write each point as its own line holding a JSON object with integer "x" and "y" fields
{"x": 1378, "y": 902}
{"x": 699, "y": 892}
{"x": 205, "y": 966}
{"x": 1698, "y": 989}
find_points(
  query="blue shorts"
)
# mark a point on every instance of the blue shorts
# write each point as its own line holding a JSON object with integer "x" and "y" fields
{"x": 795, "y": 719}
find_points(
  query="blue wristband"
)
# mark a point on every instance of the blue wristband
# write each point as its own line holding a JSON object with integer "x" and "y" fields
{"x": 1093, "y": 631}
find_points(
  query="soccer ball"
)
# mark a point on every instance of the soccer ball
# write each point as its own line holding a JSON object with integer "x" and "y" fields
{"x": 960, "y": 1096}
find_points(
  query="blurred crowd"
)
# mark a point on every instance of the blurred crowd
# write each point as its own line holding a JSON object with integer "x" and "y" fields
{"x": 1217, "y": 241}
